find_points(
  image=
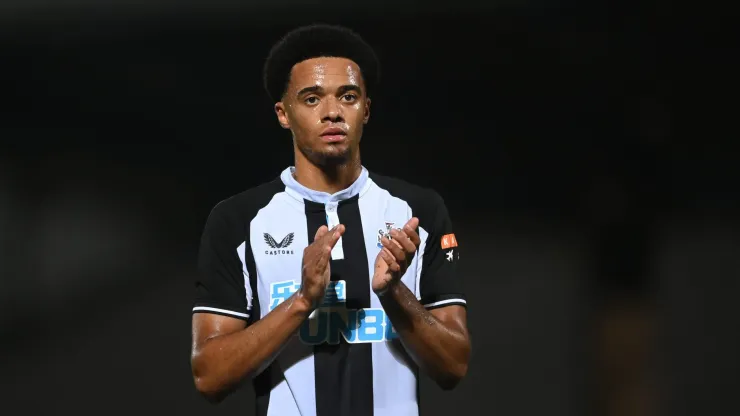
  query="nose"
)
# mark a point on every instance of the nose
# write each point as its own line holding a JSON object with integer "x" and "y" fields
{"x": 332, "y": 110}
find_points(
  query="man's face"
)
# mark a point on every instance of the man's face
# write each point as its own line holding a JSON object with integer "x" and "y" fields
{"x": 325, "y": 106}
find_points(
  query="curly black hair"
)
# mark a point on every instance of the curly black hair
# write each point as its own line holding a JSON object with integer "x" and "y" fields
{"x": 313, "y": 41}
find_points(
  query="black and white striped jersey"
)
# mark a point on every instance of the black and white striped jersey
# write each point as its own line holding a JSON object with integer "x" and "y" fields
{"x": 346, "y": 359}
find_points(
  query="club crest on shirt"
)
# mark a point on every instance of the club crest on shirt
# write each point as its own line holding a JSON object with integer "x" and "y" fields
{"x": 384, "y": 232}
{"x": 279, "y": 248}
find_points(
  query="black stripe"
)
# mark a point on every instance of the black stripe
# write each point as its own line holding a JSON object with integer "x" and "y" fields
{"x": 418, "y": 388}
{"x": 344, "y": 372}
{"x": 355, "y": 272}
{"x": 263, "y": 385}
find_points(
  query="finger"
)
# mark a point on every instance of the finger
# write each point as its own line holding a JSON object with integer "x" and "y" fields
{"x": 403, "y": 240}
{"x": 328, "y": 241}
{"x": 396, "y": 243}
{"x": 413, "y": 223}
{"x": 386, "y": 256}
{"x": 333, "y": 236}
{"x": 321, "y": 232}
{"x": 397, "y": 252}
{"x": 410, "y": 230}
{"x": 390, "y": 260}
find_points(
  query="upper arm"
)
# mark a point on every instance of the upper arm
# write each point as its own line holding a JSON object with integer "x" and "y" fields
{"x": 453, "y": 317}
{"x": 439, "y": 283}
{"x": 207, "y": 325}
{"x": 222, "y": 284}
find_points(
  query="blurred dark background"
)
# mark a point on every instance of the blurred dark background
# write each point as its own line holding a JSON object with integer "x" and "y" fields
{"x": 601, "y": 254}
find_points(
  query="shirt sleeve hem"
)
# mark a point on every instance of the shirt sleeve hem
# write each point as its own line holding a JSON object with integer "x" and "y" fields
{"x": 221, "y": 311}
{"x": 444, "y": 300}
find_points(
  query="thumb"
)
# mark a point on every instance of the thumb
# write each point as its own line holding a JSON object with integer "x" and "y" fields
{"x": 321, "y": 232}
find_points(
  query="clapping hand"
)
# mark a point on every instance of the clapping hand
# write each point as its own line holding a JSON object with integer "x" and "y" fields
{"x": 395, "y": 256}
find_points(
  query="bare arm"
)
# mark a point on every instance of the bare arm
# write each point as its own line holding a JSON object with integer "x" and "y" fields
{"x": 436, "y": 340}
{"x": 224, "y": 352}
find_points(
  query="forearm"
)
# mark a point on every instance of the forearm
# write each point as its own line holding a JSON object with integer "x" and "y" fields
{"x": 440, "y": 350}
{"x": 224, "y": 360}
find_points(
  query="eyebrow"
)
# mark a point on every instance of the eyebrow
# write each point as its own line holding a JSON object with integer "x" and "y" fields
{"x": 317, "y": 88}
{"x": 347, "y": 88}
{"x": 314, "y": 88}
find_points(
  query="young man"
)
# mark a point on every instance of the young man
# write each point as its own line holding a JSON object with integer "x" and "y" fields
{"x": 328, "y": 286}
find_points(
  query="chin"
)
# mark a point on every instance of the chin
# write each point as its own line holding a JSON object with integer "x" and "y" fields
{"x": 332, "y": 158}
{"x": 331, "y": 155}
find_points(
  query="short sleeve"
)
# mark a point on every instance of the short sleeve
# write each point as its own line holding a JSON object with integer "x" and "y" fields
{"x": 439, "y": 282}
{"x": 220, "y": 285}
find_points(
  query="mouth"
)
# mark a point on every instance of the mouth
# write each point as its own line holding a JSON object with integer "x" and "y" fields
{"x": 333, "y": 135}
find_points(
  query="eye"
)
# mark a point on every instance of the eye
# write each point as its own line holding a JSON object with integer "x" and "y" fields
{"x": 311, "y": 100}
{"x": 349, "y": 97}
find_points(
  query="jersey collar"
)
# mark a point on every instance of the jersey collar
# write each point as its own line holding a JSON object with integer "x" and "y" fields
{"x": 299, "y": 191}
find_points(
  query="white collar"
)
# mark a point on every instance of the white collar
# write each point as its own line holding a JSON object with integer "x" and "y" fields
{"x": 299, "y": 191}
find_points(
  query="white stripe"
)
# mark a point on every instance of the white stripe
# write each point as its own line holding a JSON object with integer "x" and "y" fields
{"x": 228, "y": 312}
{"x": 332, "y": 220}
{"x": 444, "y": 302}
{"x": 242, "y": 252}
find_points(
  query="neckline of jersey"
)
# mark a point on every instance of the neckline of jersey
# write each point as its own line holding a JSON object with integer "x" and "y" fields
{"x": 300, "y": 192}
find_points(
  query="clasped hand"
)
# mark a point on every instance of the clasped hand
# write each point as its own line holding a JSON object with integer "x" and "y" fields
{"x": 390, "y": 264}
{"x": 395, "y": 256}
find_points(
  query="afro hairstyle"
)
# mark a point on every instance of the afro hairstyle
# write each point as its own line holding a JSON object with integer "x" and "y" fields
{"x": 314, "y": 41}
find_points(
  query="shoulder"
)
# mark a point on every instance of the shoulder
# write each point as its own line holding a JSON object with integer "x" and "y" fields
{"x": 420, "y": 199}
{"x": 242, "y": 207}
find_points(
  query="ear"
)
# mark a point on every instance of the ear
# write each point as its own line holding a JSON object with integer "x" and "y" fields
{"x": 366, "y": 117}
{"x": 282, "y": 115}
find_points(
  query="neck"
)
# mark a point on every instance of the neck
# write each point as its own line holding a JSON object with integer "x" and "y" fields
{"x": 329, "y": 179}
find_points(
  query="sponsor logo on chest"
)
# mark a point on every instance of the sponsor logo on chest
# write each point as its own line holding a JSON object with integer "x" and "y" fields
{"x": 332, "y": 322}
{"x": 275, "y": 248}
